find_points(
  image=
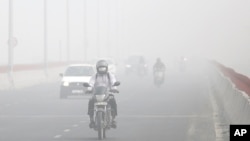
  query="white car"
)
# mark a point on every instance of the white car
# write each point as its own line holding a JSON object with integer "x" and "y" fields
{"x": 73, "y": 79}
{"x": 136, "y": 64}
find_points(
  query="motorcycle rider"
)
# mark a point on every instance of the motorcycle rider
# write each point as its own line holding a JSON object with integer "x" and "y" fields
{"x": 102, "y": 77}
{"x": 159, "y": 66}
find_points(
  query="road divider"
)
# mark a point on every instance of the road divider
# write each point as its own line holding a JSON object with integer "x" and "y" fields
{"x": 232, "y": 93}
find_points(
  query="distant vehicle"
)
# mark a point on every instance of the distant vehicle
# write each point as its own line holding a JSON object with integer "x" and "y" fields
{"x": 136, "y": 64}
{"x": 73, "y": 79}
{"x": 183, "y": 64}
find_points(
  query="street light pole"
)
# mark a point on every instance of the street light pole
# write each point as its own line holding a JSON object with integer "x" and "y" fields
{"x": 118, "y": 27}
{"x": 45, "y": 40}
{"x": 10, "y": 44}
{"x": 85, "y": 31}
{"x": 60, "y": 51}
{"x": 98, "y": 29}
{"x": 108, "y": 29}
{"x": 68, "y": 29}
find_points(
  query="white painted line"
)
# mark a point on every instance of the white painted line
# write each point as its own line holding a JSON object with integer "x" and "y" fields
{"x": 191, "y": 130}
{"x": 66, "y": 130}
{"x": 75, "y": 125}
{"x": 57, "y": 136}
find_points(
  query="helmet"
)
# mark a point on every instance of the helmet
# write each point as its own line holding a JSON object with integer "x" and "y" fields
{"x": 102, "y": 67}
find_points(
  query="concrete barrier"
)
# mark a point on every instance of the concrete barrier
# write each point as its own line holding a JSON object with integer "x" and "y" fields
{"x": 236, "y": 102}
{"x": 22, "y": 79}
{"x": 25, "y": 75}
{"x": 241, "y": 81}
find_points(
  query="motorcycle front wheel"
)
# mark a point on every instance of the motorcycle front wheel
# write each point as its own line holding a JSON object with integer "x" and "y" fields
{"x": 101, "y": 132}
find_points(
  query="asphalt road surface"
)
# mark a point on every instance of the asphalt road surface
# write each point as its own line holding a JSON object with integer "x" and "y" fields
{"x": 180, "y": 110}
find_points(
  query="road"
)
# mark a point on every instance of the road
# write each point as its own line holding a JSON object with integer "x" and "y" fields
{"x": 180, "y": 110}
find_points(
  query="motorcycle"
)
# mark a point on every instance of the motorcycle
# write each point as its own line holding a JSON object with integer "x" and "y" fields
{"x": 102, "y": 110}
{"x": 158, "y": 78}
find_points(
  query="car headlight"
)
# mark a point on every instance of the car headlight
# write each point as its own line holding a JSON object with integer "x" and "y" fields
{"x": 128, "y": 66}
{"x": 65, "y": 83}
{"x": 89, "y": 88}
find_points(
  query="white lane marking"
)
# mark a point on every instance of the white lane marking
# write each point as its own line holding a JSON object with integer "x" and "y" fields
{"x": 75, "y": 125}
{"x": 191, "y": 130}
{"x": 66, "y": 130}
{"x": 57, "y": 136}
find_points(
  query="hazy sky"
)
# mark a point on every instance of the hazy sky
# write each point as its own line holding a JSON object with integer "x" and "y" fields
{"x": 217, "y": 29}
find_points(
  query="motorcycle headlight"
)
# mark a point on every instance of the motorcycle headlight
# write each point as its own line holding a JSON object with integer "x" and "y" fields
{"x": 100, "y": 98}
{"x": 65, "y": 83}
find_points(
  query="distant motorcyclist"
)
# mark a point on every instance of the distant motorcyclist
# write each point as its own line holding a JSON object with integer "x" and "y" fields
{"x": 104, "y": 78}
{"x": 159, "y": 71}
{"x": 183, "y": 61}
{"x": 159, "y": 66}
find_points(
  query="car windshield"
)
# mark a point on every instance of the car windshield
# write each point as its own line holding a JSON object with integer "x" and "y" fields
{"x": 79, "y": 71}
